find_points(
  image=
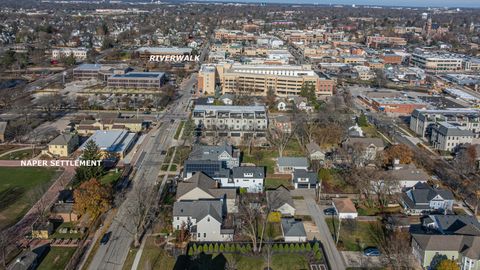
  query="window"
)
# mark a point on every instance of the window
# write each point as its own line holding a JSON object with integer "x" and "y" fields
{"x": 204, "y": 234}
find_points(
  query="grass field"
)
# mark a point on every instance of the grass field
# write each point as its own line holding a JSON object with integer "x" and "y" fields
{"x": 354, "y": 235}
{"x": 110, "y": 178}
{"x": 57, "y": 258}
{"x": 19, "y": 189}
{"x": 179, "y": 129}
{"x": 155, "y": 257}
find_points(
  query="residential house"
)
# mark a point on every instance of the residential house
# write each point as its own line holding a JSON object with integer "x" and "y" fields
{"x": 370, "y": 146}
{"x": 249, "y": 177}
{"x": 63, "y": 145}
{"x": 283, "y": 123}
{"x": 280, "y": 200}
{"x": 283, "y": 105}
{"x": 289, "y": 164}
{"x": 423, "y": 198}
{"x": 408, "y": 175}
{"x": 465, "y": 249}
{"x": 452, "y": 224}
{"x": 213, "y": 168}
{"x": 3, "y": 127}
{"x": 302, "y": 104}
{"x": 227, "y": 99}
{"x": 314, "y": 152}
{"x": 206, "y": 220}
{"x": 293, "y": 230}
{"x": 355, "y": 131}
{"x": 200, "y": 186}
{"x": 63, "y": 208}
{"x": 345, "y": 208}
{"x": 225, "y": 153}
{"x": 303, "y": 179}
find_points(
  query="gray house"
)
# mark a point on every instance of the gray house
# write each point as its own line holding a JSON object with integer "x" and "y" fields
{"x": 206, "y": 220}
{"x": 281, "y": 201}
{"x": 314, "y": 152}
{"x": 423, "y": 198}
{"x": 304, "y": 179}
{"x": 452, "y": 224}
{"x": 225, "y": 153}
{"x": 293, "y": 230}
{"x": 289, "y": 164}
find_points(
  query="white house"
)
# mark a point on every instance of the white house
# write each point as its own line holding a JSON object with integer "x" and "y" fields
{"x": 203, "y": 218}
{"x": 293, "y": 230}
{"x": 422, "y": 198}
{"x": 250, "y": 178}
{"x": 345, "y": 208}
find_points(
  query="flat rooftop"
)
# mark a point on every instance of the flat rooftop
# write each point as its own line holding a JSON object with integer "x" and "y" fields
{"x": 88, "y": 67}
{"x": 229, "y": 108}
{"x": 140, "y": 75}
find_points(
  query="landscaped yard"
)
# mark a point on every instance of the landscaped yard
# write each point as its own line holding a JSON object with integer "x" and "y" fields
{"x": 57, "y": 258}
{"x": 155, "y": 257}
{"x": 261, "y": 157}
{"x": 273, "y": 182}
{"x": 20, "y": 187}
{"x": 354, "y": 235}
{"x": 21, "y": 155}
{"x": 111, "y": 177}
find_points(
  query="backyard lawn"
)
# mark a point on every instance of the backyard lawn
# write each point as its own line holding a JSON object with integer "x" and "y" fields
{"x": 354, "y": 235}
{"x": 111, "y": 177}
{"x": 274, "y": 182}
{"x": 20, "y": 187}
{"x": 57, "y": 258}
{"x": 155, "y": 257}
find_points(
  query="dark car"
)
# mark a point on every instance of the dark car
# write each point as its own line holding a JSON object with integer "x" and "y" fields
{"x": 329, "y": 211}
{"x": 105, "y": 238}
{"x": 172, "y": 120}
{"x": 371, "y": 252}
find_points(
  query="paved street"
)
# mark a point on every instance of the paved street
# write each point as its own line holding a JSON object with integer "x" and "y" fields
{"x": 333, "y": 255}
{"x": 113, "y": 254}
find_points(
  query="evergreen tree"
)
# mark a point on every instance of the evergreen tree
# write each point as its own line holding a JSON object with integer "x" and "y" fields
{"x": 83, "y": 173}
{"x": 215, "y": 248}
{"x": 222, "y": 248}
{"x": 210, "y": 248}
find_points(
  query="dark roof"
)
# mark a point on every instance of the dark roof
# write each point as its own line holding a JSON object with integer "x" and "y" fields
{"x": 456, "y": 224}
{"x": 205, "y": 183}
{"x": 207, "y": 152}
{"x": 61, "y": 139}
{"x": 467, "y": 245}
{"x": 292, "y": 227}
{"x": 248, "y": 172}
{"x": 292, "y": 161}
{"x": 311, "y": 176}
{"x": 278, "y": 197}
{"x": 199, "y": 209}
{"x": 211, "y": 168}
{"x": 422, "y": 193}
{"x": 26, "y": 260}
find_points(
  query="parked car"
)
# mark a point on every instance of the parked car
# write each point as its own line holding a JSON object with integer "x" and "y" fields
{"x": 105, "y": 238}
{"x": 330, "y": 211}
{"x": 371, "y": 252}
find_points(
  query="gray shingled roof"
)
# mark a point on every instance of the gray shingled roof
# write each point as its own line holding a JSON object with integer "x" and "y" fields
{"x": 205, "y": 183}
{"x": 239, "y": 172}
{"x": 292, "y": 227}
{"x": 278, "y": 197}
{"x": 313, "y": 147}
{"x": 448, "y": 129}
{"x": 61, "y": 139}
{"x": 207, "y": 152}
{"x": 467, "y": 245}
{"x": 292, "y": 161}
{"x": 423, "y": 194}
{"x": 457, "y": 224}
{"x": 312, "y": 176}
{"x": 199, "y": 209}
{"x": 366, "y": 141}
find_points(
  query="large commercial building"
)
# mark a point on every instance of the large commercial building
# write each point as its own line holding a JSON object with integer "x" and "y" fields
{"x": 423, "y": 121}
{"x": 231, "y": 121}
{"x": 98, "y": 71}
{"x": 397, "y": 105}
{"x": 382, "y": 41}
{"x": 257, "y": 80}
{"x": 79, "y": 53}
{"x": 448, "y": 137}
{"x": 206, "y": 79}
{"x": 145, "y": 52}
{"x": 112, "y": 142}
{"x": 137, "y": 80}
{"x": 234, "y": 35}
{"x": 437, "y": 62}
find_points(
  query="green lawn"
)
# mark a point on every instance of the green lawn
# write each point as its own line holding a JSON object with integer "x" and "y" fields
{"x": 272, "y": 183}
{"x": 332, "y": 182}
{"x": 111, "y": 177}
{"x": 57, "y": 258}
{"x": 370, "y": 131}
{"x": 154, "y": 257}
{"x": 354, "y": 235}
{"x": 177, "y": 133}
{"x": 261, "y": 157}
{"x": 373, "y": 211}
{"x": 20, "y": 187}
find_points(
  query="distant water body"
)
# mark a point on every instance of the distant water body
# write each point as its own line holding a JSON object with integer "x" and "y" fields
{"x": 403, "y": 3}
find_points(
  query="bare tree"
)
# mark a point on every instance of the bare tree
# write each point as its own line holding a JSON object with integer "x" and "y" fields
{"x": 394, "y": 245}
{"x": 254, "y": 220}
{"x": 279, "y": 138}
{"x": 137, "y": 210}
{"x": 4, "y": 242}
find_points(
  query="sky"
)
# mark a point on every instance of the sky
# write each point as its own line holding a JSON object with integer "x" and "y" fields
{"x": 413, "y": 3}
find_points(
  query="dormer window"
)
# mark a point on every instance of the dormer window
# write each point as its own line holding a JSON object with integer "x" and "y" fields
{"x": 247, "y": 174}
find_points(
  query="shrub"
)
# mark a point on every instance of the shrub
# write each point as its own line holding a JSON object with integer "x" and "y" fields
{"x": 248, "y": 248}
{"x": 275, "y": 247}
{"x": 274, "y": 217}
{"x": 302, "y": 247}
{"x": 308, "y": 247}
{"x": 222, "y": 248}
{"x": 281, "y": 248}
{"x": 297, "y": 247}
{"x": 215, "y": 248}
{"x": 210, "y": 248}
{"x": 200, "y": 249}
{"x": 238, "y": 248}
{"x": 190, "y": 252}
{"x": 291, "y": 248}
{"x": 205, "y": 248}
